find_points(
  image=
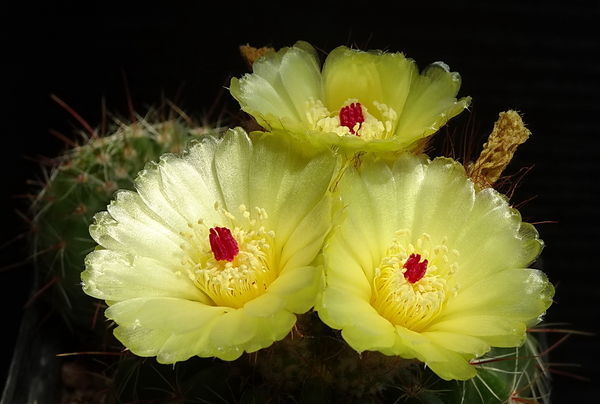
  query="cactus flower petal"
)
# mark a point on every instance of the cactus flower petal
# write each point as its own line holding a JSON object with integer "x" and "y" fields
{"x": 213, "y": 254}
{"x": 423, "y": 266}
{"x": 374, "y": 100}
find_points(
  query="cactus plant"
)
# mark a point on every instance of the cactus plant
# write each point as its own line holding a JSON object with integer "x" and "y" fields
{"x": 81, "y": 183}
{"x": 314, "y": 363}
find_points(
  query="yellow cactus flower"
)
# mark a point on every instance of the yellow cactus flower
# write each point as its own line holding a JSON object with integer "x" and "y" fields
{"x": 372, "y": 100}
{"x": 213, "y": 254}
{"x": 423, "y": 266}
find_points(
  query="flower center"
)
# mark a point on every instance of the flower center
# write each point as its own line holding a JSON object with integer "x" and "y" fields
{"x": 351, "y": 116}
{"x": 410, "y": 291}
{"x": 222, "y": 244}
{"x": 353, "y": 119}
{"x": 231, "y": 264}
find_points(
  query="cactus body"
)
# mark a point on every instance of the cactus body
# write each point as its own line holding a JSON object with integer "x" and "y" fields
{"x": 80, "y": 184}
{"x": 505, "y": 375}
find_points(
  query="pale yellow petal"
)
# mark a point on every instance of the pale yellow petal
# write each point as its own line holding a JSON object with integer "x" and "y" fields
{"x": 115, "y": 276}
{"x": 280, "y": 86}
{"x": 299, "y": 288}
{"x": 476, "y": 291}
{"x": 177, "y": 316}
{"x": 156, "y": 266}
{"x": 461, "y": 343}
{"x": 142, "y": 341}
{"x": 446, "y": 363}
{"x": 493, "y": 329}
{"x": 512, "y": 293}
{"x": 362, "y": 328}
{"x": 344, "y": 267}
{"x": 266, "y": 305}
{"x": 140, "y": 229}
{"x": 431, "y": 102}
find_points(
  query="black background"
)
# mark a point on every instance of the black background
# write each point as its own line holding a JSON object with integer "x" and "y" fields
{"x": 538, "y": 58}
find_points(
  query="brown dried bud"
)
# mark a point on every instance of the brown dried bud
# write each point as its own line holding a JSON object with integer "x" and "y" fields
{"x": 508, "y": 133}
{"x": 250, "y": 54}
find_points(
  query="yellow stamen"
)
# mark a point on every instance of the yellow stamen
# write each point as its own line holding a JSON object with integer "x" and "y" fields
{"x": 244, "y": 278}
{"x": 322, "y": 120}
{"x": 413, "y": 304}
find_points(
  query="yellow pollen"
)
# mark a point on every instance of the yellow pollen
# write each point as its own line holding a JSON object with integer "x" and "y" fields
{"x": 414, "y": 305}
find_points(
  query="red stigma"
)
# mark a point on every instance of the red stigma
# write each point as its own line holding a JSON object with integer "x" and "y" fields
{"x": 222, "y": 244}
{"x": 415, "y": 270}
{"x": 350, "y": 115}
